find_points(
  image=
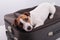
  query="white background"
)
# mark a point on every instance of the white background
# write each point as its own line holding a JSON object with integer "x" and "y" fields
{"x": 10, "y": 6}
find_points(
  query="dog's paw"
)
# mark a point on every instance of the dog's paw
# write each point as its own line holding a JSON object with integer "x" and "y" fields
{"x": 37, "y": 26}
{"x": 51, "y": 16}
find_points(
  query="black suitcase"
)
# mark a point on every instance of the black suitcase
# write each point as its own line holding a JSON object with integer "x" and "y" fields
{"x": 49, "y": 31}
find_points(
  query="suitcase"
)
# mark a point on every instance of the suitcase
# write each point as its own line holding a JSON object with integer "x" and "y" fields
{"x": 49, "y": 31}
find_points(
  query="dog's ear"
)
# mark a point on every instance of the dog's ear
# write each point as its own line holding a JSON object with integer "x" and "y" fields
{"x": 15, "y": 22}
{"x": 26, "y": 13}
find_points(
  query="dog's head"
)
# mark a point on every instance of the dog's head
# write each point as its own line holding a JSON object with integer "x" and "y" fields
{"x": 23, "y": 21}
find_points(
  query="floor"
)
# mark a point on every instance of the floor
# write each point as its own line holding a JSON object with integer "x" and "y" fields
{"x": 2, "y": 33}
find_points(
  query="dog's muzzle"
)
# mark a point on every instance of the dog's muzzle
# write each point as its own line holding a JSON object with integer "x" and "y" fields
{"x": 27, "y": 27}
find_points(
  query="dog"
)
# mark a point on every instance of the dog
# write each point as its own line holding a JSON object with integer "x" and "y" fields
{"x": 35, "y": 17}
{"x": 23, "y": 21}
{"x": 41, "y": 12}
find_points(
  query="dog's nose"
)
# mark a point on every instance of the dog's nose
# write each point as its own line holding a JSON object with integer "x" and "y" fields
{"x": 29, "y": 28}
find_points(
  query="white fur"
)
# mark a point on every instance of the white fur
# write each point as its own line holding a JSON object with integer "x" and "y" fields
{"x": 25, "y": 25}
{"x": 40, "y": 13}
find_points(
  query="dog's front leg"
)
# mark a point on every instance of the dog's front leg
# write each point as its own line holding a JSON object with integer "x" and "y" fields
{"x": 39, "y": 24}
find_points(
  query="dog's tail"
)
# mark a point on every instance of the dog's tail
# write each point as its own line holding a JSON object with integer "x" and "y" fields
{"x": 53, "y": 3}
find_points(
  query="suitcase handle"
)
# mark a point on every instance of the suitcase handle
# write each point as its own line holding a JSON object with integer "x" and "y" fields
{"x": 52, "y": 33}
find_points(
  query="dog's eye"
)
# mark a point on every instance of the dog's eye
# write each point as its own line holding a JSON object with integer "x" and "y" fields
{"x": 21, "y": 23}
{"x": 26, "y": 19}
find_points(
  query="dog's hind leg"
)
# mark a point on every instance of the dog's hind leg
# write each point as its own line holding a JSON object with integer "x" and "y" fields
{"x": 51, "y": 16}
{"x": 52, "y": 11}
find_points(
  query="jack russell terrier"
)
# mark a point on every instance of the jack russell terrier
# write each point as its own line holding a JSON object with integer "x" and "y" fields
{"x": 35, "y": 17}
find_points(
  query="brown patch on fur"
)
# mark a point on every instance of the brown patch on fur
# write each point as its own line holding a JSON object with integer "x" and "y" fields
{"x": 24, "y": 16}
{"x": 26, "y": 13}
